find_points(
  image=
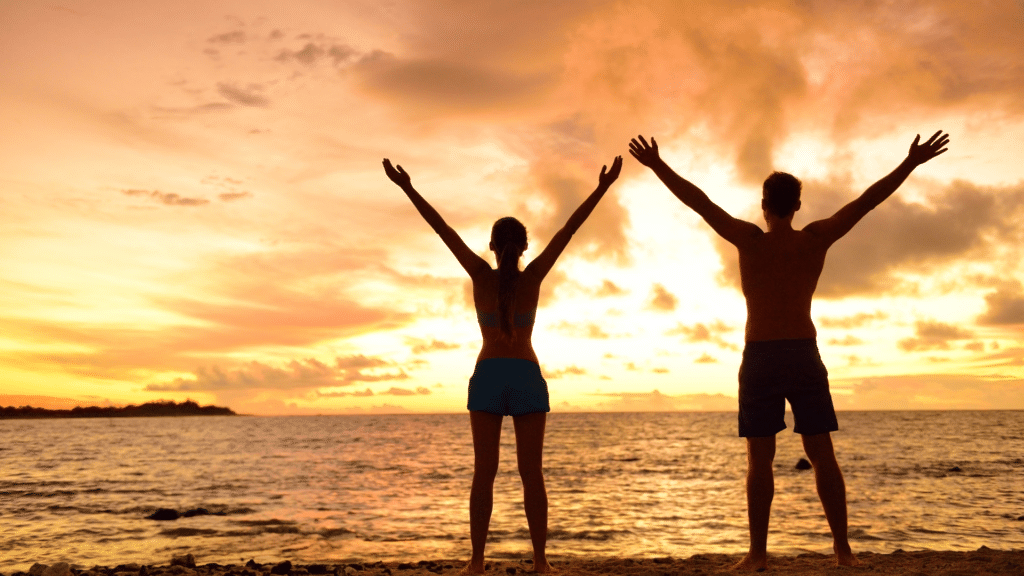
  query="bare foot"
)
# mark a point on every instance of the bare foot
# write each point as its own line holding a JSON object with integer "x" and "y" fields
{"x": 543, "y": 567}
{"x": 844, "y": 556}
{"x": 752, "y": 563}
{"x": 471, "y": 569}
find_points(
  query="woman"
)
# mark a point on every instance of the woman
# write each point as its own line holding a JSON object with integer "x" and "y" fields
{"x": 507, "y": 379}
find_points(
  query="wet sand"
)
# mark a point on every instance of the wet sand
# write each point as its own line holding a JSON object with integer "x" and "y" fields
{"x": 983, "y": 561}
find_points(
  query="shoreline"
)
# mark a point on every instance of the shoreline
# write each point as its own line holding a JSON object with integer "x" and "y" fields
{"x": 982, "y": 561}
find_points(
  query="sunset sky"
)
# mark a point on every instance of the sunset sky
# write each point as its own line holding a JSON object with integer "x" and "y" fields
{"x": 193, "y": 204}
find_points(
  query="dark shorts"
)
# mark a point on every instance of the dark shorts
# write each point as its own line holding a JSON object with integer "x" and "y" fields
{"x": 508, "y": 387}
{"x": 774, "y": 371}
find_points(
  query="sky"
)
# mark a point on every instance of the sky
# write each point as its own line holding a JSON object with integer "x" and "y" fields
{"x": 192, "y": 203}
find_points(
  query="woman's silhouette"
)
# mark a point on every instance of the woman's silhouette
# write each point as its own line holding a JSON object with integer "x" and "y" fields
{"x": 507, "y": 379}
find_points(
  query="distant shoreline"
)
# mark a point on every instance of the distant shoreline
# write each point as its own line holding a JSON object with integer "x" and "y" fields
{"x": 167, "y": 409}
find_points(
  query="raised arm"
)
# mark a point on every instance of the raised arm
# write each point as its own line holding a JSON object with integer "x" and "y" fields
{"x": 470, "y": 261}
{"x": 834, "y": 228}
{"x": 541, "y": 265}
{"x": 732, "y": 229}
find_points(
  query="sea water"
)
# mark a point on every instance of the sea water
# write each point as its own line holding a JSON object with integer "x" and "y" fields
{"x": 350, "y": 488}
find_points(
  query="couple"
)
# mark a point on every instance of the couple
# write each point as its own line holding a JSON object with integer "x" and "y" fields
{"x": 779, "y": 271}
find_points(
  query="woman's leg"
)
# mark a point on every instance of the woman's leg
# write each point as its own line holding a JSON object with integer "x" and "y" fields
{"x": 529, "y": 454}
{"x": 486, "y": 438}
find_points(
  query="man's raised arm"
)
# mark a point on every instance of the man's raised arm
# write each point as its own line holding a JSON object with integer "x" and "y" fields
{"x": 834, "y": 228}
{"x": 732, "y": 229}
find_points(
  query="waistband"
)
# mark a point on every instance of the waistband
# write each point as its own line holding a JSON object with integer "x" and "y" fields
{"x": 780, "y": 345}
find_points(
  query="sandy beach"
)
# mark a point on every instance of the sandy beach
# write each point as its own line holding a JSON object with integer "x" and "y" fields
{"x": 983, "y": 561}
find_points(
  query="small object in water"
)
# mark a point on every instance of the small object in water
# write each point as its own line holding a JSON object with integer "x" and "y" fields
{"x": 164, "y": 514}
{"x": 955, "y": 469}
{"x": 803, "y": 464}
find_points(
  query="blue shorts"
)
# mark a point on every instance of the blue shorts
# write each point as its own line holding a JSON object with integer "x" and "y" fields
{"x": 774, "y": 371}
{"x": 508, "y": 387}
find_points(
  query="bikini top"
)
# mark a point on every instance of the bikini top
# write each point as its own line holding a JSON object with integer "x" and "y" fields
{"x": 490, "y": 319}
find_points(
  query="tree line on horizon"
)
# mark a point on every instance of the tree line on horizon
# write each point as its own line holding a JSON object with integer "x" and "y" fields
{"x": 164, "y": 408}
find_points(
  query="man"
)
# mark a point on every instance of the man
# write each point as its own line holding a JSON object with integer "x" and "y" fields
{"x": 779, "y": 271}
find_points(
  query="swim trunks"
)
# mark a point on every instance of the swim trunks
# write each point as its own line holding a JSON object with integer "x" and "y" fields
{"x": 774, "y": 371}
{"x": 508, "y": 387}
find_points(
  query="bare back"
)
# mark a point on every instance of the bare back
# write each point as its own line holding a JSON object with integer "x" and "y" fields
{"x": 779, "y": 271}
{"x": 485, "y": 298}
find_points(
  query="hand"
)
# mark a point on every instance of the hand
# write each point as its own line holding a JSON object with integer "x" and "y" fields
{"x": 919, "y": 154}
{"x": 606, "y": 179}
{"x": 646, "y": 154}
{"x": 399, "y": 176}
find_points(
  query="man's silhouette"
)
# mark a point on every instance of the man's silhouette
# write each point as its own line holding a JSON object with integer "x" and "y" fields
{"x": 779, "y": 271}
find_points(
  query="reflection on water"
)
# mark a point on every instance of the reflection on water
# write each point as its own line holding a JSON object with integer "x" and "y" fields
{"x": 396, "y": 487}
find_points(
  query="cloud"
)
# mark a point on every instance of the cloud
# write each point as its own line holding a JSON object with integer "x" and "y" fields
{"x": 567, "y": 371}
{"x": 855, "y": 321}
{"x": 706, "y": 358}
{"x": 297, "y": 374}
{"x": 1005, "y": 306}
{"x": 233, "y": 37}
{"x": 701, "y": 332}
{"x": 171, "y": 199}
{"x": 394, "y": 391}
{"x": 933, "y": 335}
{"x": 245, "y": 97}
{"x": 581, "y": 330}
{"x": 609, "y": 288}
{"x": 311, "y": 53}
{"x": 655, "y": 401}
{"x": 232, "y": 196}
{"x": 422, "y": 346}
{"x": 447, "y": 84}
{"x": 661, "y": 299}
{"x": 930, "y": 392}
{"x": 849, "y": 340}
{"x": 341, "y": 394}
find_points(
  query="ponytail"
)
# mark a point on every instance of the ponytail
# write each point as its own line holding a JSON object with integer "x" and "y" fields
{"x": 508, "y": 236}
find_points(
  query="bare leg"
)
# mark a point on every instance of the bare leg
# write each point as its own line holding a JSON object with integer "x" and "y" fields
{"x": 529, "y": 454}
{"x": 760, "y": 491}
{"x": 486, "y": 437}
{"x": 832, "y": 492}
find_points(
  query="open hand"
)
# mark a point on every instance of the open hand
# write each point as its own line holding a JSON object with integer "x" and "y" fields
{"x": 398, "y": 176}
{"x": 919, "y": 154}
{"x": 646, "y": 154}
{"x": 606, "y": 179}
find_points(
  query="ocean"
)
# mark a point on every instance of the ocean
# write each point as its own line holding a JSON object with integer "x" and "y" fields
{"x": 357, "y": 488}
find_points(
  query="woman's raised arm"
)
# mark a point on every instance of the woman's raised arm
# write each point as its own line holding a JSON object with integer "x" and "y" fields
{"x": 541, "y": 265}
{"x": 470, "y": 261}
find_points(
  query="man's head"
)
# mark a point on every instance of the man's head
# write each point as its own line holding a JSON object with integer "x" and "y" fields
{"x": 781, "y": 195}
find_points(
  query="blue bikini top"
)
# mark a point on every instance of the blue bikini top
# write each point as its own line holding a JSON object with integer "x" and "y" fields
{"x": 490, "y": 319}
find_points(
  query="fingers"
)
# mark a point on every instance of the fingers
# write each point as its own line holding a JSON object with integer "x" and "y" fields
{"x": 646, "y": 145}
{"x": 401, "y": 170}
{"x": 932, "y": 139}
{"x": 916, "y": 140}
{"x": 654, "y": 143}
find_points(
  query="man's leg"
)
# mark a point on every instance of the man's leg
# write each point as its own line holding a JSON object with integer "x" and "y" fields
{"x": 832, "y": 492}
{"x": 486, "y": 436}
{"x": 760, "y": 491}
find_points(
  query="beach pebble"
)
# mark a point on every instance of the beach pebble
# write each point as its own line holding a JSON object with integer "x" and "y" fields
{"x": 282, "y": 568}
{"x": 188, "y": 561}
{"x": 164, "y": 514}
{"x": 803, "y": 464}
{"x": 349, "y": 571}
{"x": 58, "y": 569}
{"x": 37, "y": 569}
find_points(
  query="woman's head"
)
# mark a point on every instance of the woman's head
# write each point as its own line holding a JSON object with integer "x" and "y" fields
{"x": 508, "y": 240}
